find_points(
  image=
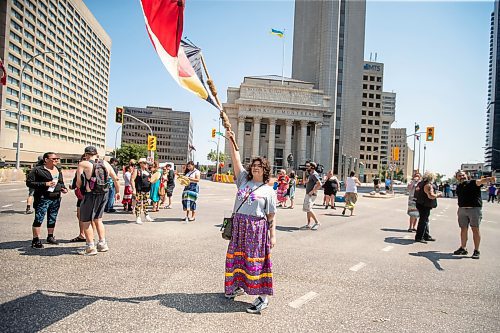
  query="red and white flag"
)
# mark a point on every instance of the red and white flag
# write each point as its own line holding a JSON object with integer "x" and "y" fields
{"x": 164, "y": 24}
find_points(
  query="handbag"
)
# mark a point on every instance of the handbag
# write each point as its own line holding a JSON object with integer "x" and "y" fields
{"x": 227, "y": 222}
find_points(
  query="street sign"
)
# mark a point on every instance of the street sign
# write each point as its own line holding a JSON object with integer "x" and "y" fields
{"x": 392, "y": 167}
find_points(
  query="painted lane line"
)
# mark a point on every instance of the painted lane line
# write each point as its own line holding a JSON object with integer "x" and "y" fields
{"x": 357, "y": 267}
{"x": 433, "y": 219}
{"x": 24, "y": 201}
{"x": 303, "y": 300}
{"x": 407, "y": 237}
{"x": 7, "y": 206}
{"x": 387, "y": 248}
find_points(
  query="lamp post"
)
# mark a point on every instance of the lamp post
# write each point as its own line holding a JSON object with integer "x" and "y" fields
{"x": 18, "y": 140}
{"x": 151, "y": 153}
{"x": 116, "y": 137}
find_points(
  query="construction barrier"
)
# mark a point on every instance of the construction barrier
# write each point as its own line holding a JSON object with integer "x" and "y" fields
{"x": 221, "y": 178}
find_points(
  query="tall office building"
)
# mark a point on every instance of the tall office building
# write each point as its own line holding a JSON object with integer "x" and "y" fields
{"x": 492, "y": 151}
{"x": 328, "y": 47}
{"x": 173, "y": 129}
{"x": 64, "y": 97}
{"x": 404, "y": 163}
{"x": 377, "y": 115}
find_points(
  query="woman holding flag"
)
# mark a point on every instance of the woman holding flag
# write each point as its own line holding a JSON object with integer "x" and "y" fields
{"x": 248, "y": 257}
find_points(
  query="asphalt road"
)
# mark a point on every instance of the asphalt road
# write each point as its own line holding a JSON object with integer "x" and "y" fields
{"x": 355, "y": 274}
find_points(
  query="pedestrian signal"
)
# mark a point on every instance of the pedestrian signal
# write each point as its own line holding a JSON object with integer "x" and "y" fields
{"x": 213, "y": 133}
{"x": 395, "y": 153}
{"x": 429, "y": 134}
{"x": 119, "y": 115}
{"x": 151, "y": 142}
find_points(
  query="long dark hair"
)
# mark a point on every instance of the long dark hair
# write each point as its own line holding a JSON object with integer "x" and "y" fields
{"x": 266, "y": 169}
{"x": 186, "y": 167}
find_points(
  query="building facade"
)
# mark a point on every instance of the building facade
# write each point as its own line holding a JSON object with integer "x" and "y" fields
{"x": 377, "y": 115}
{"x": 404, "y": 163}
{"x": 492, "y": 150}
{"x": 328, "y": 49}
{"x": 173, "y": 129}
{"x": 63, "y": 95}
{"x": 275, "y": 120}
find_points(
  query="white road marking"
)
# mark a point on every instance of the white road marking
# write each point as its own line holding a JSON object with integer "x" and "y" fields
{"x": 401, "y": 210}
{"x": 357, "y": 267}
{"x": 434, "y": 219}
{"x": 13, "y": 189}
{"x": 407, "y": 237}
{"x": 387, "y": 248}
{"x": 7, "y": 206}
{"x": 303, "y": 300}
{"x": 24, "y": 201}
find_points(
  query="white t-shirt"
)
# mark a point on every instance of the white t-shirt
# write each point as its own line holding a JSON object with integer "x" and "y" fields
{"x": 261, "y": 201}
{"x": 350, "y": 185}
{"x": 127, "y": 177}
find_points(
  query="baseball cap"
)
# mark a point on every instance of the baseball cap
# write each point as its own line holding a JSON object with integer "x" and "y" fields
{"x": 143, "y": 160}
{"x": 91, "y": 150}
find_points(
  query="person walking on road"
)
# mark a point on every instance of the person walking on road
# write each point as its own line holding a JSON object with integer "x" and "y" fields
{"x": 492, "y": 193}
{"x": 47, "y": 181}
{"x": 95, "y": 172}
{"x": 141, "y": 185}
{"x": 283, "y": 183}
{"x": 248, "y": 257}
{"x": 79, "y": 198}
{"x": 312, "y": 186}
{"x": 190, "y": 193}
{"x": 330, "y": 188}
{"x": 168, "y": 183}
{"x": 412, "y": 205}
{"x": 292, "y": 186}
{"x": 469, "y": 212}
{"x": 31, "y": 192}
{"x": 127, "y": 191}
{"x": 426, "y": 199}
{"x": 351, "y": 192}
{"x": 111, "y": 193}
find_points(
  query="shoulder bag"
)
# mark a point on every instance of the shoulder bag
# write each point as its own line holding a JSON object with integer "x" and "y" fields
{"x": 227, "y": 223}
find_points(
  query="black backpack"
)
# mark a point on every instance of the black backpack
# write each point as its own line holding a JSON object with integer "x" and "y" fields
{"x": 98, "y": 182}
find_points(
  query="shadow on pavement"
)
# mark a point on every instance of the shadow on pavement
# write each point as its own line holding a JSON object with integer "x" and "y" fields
{"x": 435, "y": 257}
{"x": 12, "y": 212}
{"x": 287, "y": 229}
{"x": 112, "y": 222}
{"x": 168, "y": 219}
{"x": 25, "y": 249}
{"x": 339, "y": 215}
{"x": 395, "y": 230}
{"x": 36, "y": 311}
{"x": 399, "y": 240}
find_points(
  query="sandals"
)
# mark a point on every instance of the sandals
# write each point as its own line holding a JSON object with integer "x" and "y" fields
{"x": 77, "y": 239}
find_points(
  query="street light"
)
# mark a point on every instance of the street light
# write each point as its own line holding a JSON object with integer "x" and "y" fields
{"x": 18, "y": 140}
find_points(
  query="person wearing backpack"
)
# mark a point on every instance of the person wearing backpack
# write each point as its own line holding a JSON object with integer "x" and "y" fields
{"x": 95, "y": 174}
{"x": 141, "y": 185}
{"x": 426, "y": 199}
{"x": 46, "y": 180}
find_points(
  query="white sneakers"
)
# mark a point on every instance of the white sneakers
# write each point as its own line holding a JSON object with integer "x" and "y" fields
{"x": 88, "y": 251}
{"x": 149, "y": 219}
{"x": 138, "y": 220}
{"x": 102, "y": 247}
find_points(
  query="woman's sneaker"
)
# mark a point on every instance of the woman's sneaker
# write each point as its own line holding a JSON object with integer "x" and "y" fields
{"x": 460, "y": 252}
{"x": 37, "y": 244}
{"x": 102, "y": 247}
{"x": 258, "y": 305}
{"x": 88, "y": 251}
{"x": 476, "y": 254}
{"x": 237, "y": 292}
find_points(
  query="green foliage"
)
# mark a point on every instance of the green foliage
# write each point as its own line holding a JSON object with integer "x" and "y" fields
{"x": 212, "y": 156}
{"x": 439, "y": 177}
{"x": 130, "y": 151}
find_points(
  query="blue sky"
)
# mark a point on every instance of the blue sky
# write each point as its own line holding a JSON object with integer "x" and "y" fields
{"x": 435, "y": 56}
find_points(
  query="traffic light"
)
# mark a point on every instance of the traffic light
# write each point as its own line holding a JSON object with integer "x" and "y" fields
{"x": 151, "y": 142}
{"x": 119, "y": 115}
{"x": 395, "y": 153}
{"x": 213, "y": 133}
{"x": 429, "y": 136}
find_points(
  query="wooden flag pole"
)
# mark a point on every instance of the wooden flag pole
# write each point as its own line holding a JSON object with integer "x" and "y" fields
{"x": 223, "y": 115}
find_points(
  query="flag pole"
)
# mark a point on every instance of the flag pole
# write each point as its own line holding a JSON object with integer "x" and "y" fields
{"x": 223, "y": 115}
{"x": 283, "y": 60}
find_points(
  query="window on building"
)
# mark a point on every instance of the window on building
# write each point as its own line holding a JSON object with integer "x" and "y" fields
{"x": 248, "y": 127}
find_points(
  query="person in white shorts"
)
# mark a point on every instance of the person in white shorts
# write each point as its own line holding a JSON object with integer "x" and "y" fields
{"x": 312, "y": 186}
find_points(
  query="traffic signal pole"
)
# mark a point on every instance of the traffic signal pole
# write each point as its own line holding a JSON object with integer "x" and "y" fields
{"x": 151, "y": 153}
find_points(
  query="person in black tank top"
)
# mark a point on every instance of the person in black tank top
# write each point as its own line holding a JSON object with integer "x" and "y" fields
{"x": 141, "y": 184}
{"x": 470, "y": 210}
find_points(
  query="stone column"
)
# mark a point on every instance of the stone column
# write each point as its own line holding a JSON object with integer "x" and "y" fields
{"x": 288, "y": 140}
{"x": 272, "y": 138}
{"x": 256, "y": 136}
{"x": 317, "y": 142}
{"x": 302, "y": 142}
{"x": 240, "y": 139}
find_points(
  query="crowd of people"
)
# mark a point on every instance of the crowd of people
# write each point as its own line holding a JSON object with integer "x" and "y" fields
{"x": 248, "y": 269}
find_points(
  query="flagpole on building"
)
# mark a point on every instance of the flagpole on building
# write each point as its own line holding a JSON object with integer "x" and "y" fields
{"x": 213, "y": 90}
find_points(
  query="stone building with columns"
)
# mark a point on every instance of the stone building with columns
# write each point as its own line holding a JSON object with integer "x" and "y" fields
{"x": 272, "y": 117}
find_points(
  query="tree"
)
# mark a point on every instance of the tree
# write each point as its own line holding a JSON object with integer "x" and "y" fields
{"x": 439, "y": 177}
{"x": 130, "y": 151}
{"x": 212, "y": 156}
